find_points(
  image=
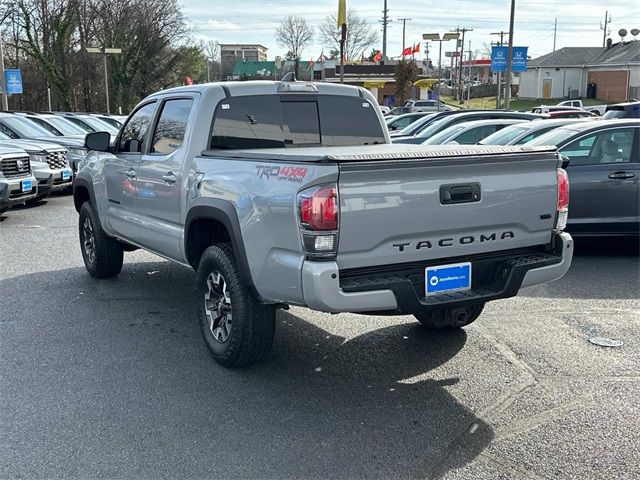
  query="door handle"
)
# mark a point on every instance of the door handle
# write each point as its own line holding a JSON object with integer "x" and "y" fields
{"x": 621, "y": 175}
{"x": 169, "y": 177}
{"x": 131, "y": 173}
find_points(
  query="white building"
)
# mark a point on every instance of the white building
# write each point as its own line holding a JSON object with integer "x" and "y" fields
{"x": 565, "y": 73}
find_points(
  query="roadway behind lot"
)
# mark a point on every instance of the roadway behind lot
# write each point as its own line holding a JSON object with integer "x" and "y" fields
{"x": 111, "y": 378}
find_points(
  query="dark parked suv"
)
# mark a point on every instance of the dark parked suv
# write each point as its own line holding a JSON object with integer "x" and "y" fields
{"x": 622, "y": 110}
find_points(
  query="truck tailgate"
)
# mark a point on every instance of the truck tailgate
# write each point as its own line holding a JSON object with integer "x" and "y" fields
{"x": 445, "y": 204}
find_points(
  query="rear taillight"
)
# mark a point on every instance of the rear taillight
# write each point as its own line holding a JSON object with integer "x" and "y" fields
{"x": 318, "y": 210}
{"x": 562, "y": 208}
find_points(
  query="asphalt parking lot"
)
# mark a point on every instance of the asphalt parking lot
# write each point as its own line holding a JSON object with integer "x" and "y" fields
{"x": 111, "y": 378}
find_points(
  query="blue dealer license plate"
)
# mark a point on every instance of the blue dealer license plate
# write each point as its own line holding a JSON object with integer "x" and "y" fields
{"x": 448, "y": 278}
{"x": 26, "y": 186}
{"x": 66, "y": 175}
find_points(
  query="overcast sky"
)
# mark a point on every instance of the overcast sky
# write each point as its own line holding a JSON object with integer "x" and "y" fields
{"x": 255, "y": 21}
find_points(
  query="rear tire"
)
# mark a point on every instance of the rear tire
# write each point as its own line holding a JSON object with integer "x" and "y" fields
{"x": 237, "y": 329}
{"x": 102, "y": 255}
{"x": 449, "y": 319}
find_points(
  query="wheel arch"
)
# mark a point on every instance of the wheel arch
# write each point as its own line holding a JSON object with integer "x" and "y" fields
{"x": 216, "y": 222}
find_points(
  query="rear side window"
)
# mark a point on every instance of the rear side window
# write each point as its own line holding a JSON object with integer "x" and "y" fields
{"x": 273, "y": 121}
{"x": 172, "y": 124}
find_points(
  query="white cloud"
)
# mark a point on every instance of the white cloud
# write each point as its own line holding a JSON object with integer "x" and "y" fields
{"x": 223, "y": 25}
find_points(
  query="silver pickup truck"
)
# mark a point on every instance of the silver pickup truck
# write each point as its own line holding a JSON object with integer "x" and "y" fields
{"x": 290, "y": 193}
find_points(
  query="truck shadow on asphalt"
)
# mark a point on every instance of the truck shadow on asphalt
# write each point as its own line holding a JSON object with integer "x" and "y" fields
{"x": 320, "y": 406}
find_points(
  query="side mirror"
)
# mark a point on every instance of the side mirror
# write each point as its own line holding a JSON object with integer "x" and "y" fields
{"x": 97, "y": 141}
{"x": 565, "y": 161}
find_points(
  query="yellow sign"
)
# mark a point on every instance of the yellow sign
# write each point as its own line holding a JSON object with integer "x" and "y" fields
{"x": 342, "y": 12}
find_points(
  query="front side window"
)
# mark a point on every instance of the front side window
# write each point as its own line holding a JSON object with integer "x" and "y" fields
{"x": 172, "y": 126}
{"x": 135, "y": 130}
{"x": 609, "y": 146}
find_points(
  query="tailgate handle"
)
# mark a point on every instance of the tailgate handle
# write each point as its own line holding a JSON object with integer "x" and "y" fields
{"x": 467, "y": 193}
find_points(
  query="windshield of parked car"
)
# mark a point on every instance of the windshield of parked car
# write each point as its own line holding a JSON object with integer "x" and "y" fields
{"x": 504, "y": 136}
{"x": 25, "y": 127}
{"x": 65, "y": 126}
{"x": 409, "y": 129}
{"x": 554, "y": 137}
{"x": 444, "y": 135}
{"x": 98, "y": 125}
{"x": 434, "y": 127}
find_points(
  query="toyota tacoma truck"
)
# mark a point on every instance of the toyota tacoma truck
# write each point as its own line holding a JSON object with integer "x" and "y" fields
{"x": 17, "y": 183}
{"x": 290, "y": 193}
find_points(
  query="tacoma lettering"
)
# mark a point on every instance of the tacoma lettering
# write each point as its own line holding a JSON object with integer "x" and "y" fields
{"x": 450, "y": 242}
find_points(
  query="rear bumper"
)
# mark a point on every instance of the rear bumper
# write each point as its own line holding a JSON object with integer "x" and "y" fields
{"x": 398, "y": 289}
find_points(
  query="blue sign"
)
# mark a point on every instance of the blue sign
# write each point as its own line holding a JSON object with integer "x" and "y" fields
{"x": 13, "y": 81}
{"x": 519, "y": 60}
{"x": 448, "y": 278}
{"x": 499, "y": 59}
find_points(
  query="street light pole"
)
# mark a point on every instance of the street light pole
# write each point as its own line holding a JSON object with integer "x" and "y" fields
{"x": 105, "y": 52}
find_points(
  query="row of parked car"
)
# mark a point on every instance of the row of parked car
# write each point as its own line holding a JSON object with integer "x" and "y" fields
{"x": 40, "y": 151}
{"x": 602, "y": 154}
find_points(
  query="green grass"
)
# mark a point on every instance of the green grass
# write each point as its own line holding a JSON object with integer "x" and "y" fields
{"x": 514, "y": 104}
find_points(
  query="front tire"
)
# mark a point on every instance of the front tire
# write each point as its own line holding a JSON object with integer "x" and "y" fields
{"x": 237, "y": 329}
{"x": 102, "y": 255}
{"x": 449, "y": 319}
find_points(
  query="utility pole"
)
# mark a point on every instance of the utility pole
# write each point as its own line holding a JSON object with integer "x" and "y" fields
{"x": 385, "y": 22}
{"x": 507, "y": 82}
{"x": 607, "y": 21}
{"x": 461, "y": 57}
{"x": 501, "y": 33}
{"x": 404, "y": 25}
{"x": 555, "y": 33}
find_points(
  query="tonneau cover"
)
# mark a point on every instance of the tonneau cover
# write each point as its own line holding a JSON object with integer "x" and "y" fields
{"x": 366, "y": 153}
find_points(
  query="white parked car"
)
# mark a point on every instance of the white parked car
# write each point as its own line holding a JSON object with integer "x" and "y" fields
{"x": 427, "y": 106}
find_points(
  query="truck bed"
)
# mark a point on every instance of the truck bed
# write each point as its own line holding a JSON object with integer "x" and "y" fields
{"x": 387, "y": 152}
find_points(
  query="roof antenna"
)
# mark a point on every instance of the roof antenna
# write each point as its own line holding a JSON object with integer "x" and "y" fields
{"x": 289, "y": 77}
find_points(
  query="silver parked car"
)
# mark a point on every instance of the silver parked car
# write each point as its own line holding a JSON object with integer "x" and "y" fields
{"x": 427, "y": 106}
{"x": 604, "y": 174}
{"x": 470, "y": 133}
{"x": 525, "y": 132}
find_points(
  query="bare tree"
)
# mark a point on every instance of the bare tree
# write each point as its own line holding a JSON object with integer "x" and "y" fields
{"x": 360, "y": 35}
{"x": 211, "y": 50}
{"x": 294, "y": 34}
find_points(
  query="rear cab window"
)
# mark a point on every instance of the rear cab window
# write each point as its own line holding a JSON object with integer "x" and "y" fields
{"x": 276, "y": 121}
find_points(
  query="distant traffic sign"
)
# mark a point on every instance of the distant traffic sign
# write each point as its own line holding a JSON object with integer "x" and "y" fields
{"x": 13, "y": 81}
{"x": 452, "y": 54}
{"x": 499, "y": 59}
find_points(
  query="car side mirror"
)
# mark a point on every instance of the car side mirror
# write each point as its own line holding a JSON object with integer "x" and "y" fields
{"x": 97, "y": 141}
{"x": 565, "y": 161}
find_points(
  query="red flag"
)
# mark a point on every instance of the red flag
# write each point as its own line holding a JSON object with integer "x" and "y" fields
{"x": 406, "y": 51}
{"x": 416, "y": 49}
{"x": 188, "y": 80}
{"x": 377, "y": 57}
